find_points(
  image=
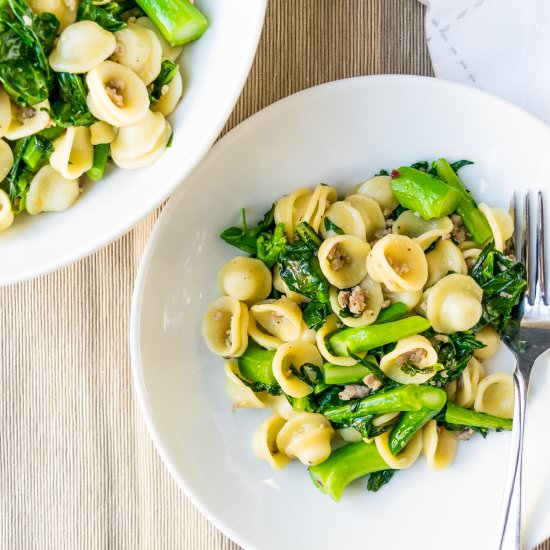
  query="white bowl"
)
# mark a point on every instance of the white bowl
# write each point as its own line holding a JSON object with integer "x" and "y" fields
{"x": 340, "y": 133}
{"x": 215, "y": 69}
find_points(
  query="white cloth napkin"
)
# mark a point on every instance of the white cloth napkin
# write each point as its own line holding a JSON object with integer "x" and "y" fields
{"x": 502, "y": 46}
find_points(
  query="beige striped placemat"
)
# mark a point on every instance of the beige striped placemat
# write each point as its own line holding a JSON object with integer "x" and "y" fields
{"x": 78, "y": 469}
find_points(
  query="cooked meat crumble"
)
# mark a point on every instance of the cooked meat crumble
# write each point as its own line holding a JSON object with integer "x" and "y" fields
{"x": 355, "y": 300}
{"x": 337, "y": 257}
{"x": 354, "y": 391}
{"x": 114, "y": 89}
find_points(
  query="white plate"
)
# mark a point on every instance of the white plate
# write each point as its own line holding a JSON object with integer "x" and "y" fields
{"x": 339, "y": 133}
{"x": 215, "y": 69}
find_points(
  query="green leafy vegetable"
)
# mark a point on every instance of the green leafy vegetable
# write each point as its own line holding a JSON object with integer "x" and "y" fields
{"x": 412, "y": 370}
{"x": 314, "y": 313}
{"x": 270, "y": 245}
{"x": 331, "y": 226}
{"x": 461, "y": 417}
{"x": 376, "y": 480}
{"x": 36, "y": 152}
{"x": 456, "y": 166}
{"x": 106, "y": 15}
{"x": 382, "y": 173}
{"x": 256, "y": 371}
{"x": 71, "y": 109}
{"x": 308, "y": 236}
{"x": 168, "y": 70}
{"x": 422, "y": 165}
{"x": 409, "y": 424}
{"x": 393, "y": 312}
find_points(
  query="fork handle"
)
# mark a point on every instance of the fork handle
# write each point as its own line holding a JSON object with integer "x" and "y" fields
{"x": 510, "y": 521}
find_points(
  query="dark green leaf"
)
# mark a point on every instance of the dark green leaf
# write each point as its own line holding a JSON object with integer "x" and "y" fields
{"x": 378, "y": 479}
{"x": 412, "y": 370}
{"x": 270, "y": 245}
{"x": 107, "y": 15}
{"x": 421, "y": 165}
{"x": 456, "y": 166}
{"x": 331, "y": 226}
{"x": 308, "y": 236}
{"x": 71, "y": 108}
{"x": 168, "y": 70}
{"x": 314, "y": 313}
{"x": 382, "y": 173}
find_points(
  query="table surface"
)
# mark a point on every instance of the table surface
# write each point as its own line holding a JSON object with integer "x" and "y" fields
{"x": 78, "y": 469}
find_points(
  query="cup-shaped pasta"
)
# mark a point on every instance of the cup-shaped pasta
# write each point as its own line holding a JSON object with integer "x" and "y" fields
{"x": 281, "y": 318}
{"x": 116, "y": 94}
{"x": 170, "y": 95}
{"x": 470, "y": 256}
{"x": 343, "y": 260}
{"x": 260, "y": 336}
{"x": 264, "y": 443}
{"x": 26, "y": 121}
{"x": 453, "y": 304}
{"x": 490, "y": 338}
{"x": 468, "y": 383}
{"x": 6, "y": 159}
{"x": 280, "y": 405}
{"x": 357, "y": 306}
{"x": 410, "y": 357}
{"x": 370, "y": 212}
{"x": 64, "y": 10}
{"x": 438, "y": 445}
{"x": 351, "y": 435}
{"x": 399, "y": 263}
{"x": 380, "y": 189}
{"x": 290, "y": 209}
{"x": 322, "y": 335}
{"x": 424, "y": 232}
{"x": 141, "y": 143}
{"x": 168, "y": 51}
{"x": 240, "y": 394}
{"x": 501, "y": 223}
{"x": 346, "y": 218}
{"x": 450, "y": 390}
{"x": 81, "y": 47}
{"x": 410, "y": 298}
{"x": 224, "y": 327}
{"x": 495, "y": 395}
{"x": 49, "y": 191}
{"x": 246, "y": 279}
{"x": 323, "y": 196}
{"x": 5, "y": 112}
{"x": 282, "y": 287}
{"x": 445, "y": 258}
{"x": 139, "y": 49}
{"x": 6, "y": 211}
{"x": 73, "y": 152}
{"x": 406, "y": 458}
{"x": 385, "y": 419}
{"x": 293, "y": 355}
{"x": 101, "y": 132}
{"x": 306, "y": 436}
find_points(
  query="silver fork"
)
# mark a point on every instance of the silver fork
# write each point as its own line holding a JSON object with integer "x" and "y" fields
{"x": 534, "y": 331}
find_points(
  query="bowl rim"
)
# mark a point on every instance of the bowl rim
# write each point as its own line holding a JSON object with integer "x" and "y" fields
{"x": 165, "y": 218}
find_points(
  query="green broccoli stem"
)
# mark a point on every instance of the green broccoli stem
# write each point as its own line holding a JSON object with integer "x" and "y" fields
{"x": 36, "y": 152}
{"x": 336, "y": 374}
{"x": 179, "y": 21}
{"x": 473, "y": 218}
{"x": 424, "y": 193}
{"x": 345, "y": 465}
{"x": 409, "y": 423}
{"x": 101, "y": 156}
{"x": 393, "y": 312}
{"x": 406, "y": 398}
{"x": 356, "y": 340}
{"x": 466, "y": 417}
{"x": 255, "y": 365}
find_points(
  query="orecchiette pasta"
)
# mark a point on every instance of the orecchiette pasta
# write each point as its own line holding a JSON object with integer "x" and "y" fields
{"x": 5, "y": 112}
{"x": 81, "y": 47}
{"x": 424, "y": 232}
{"x": 330, "y": 326}
{"x": 410, "y": 298}
{"x": 344, "y": 216}
{"x": 6, "y": 159}
{"x": 380, "y": 189}
{"x": 342, "y": 259}
{"x": 351, "y": 435}
{"x": 399, "y": 263}
{"x": 260, "y": 336}
{"x": 246, "y": 279}
{"x": 116, "y": 94}
{"x": 238, "y": 392}
{"x": 224, "y": 327}
{"x": 409, "y": 358}
{"x": 385, "y": 419}
{"x": 450, "y": 390}
{"x": 291, "y": 208}
{"x": 26, "y": 121}
{"x": 471, "y": 255}
{"x": 321, "y": 199}
{"x": 64, "y": 11}
{"x": 501, "y": 224}
{"x": 264, "y": 442}
{"x": 306, "y": 436}
{"x": 406, "y": 458}
{"x": 445, "y": 258}
{"x": 468, "y": 383}
{"x": 101, "y": 132}
{"x": 279, "y": 405}
{"x": 281, "y": 318}
{"x": 141, "y": 143}
{"x": 490, "y": 338}
{"x": 73, "y": 152}
{"x": 170, "y": 96}
{"x": 439, "y": 445}
{"x": 168, "y": 51}
{"x": 6, "y": 211}
{"x": 282, "y": 287}
{"x": 495, "y": 395}
{"x": 294, "y": 355}
{"x": 370, "y": 212}
{"x": 453, "y": 304}
{"x": 49, "y": 191}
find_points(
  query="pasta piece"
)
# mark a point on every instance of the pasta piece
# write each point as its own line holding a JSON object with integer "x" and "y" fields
{"x": 468, "y": 383}
{"x": 406, "y": 458}
{"x": 501, "y": 224}
{"x": 64, "y": 10}
{"x": 73, "y": 152}
{"x": 453, "y": 304}
{"x": 6, "y": 159}
{"x": 116, "y": 94}
{"x": 264, "y": 442}
{"x": 141, "y": 143}
{"x": 293, "y": 355}
{"x": 308, "y": 335}
{"x": 6, "y": 211}
{"x": 410, "y": 357}
{"x": 281, "y": 318}
{"x": 438, "y": 445}
{"x": 260, "y": 336}
{"x": 280, "y": 405}
{"x": 344, "y": 216}
{"x": 380, "y": 189}
{"x": 445, "y": 258}
{"x": 139, "y": 49}
{"x": 450, "y": 390}
{"x": 385, "y": 419}
{"x": 81, "y": 47}
{"x": 26, "y": 121}
{"x": 370, "y": 212}
{"x": 49, "y": 191}
{"x": 240, "y": 394}
{"x": 5, "y": 112}
{"x": 290, "y": 209}
{"x": 306, "y": 436}
{"x": 470, "y": 256}
{"x": 224, "y": 327}
{"x": 410, "y": 298}
{"x": 323, "y": 196}
{"x": 342, "y": 259}
{"x": 350, "y": 435}
{"x": 170, "y": 96}
{"x": 330, "y": 326}
{"x": 399, "y": 263}
{"x": 246, "y": 279}
{"x": 101, "y": 132}
{"x": 424, "y": 232}
{"x": 490, "y": 338}
{"x": 281, "y": 286}
{"x": 495, "y": 395}
{"x": 168, "y": 51}
{"x": 364, "y": 301}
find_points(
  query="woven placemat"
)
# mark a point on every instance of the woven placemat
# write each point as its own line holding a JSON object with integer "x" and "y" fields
{"x": 78, "y": 469}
